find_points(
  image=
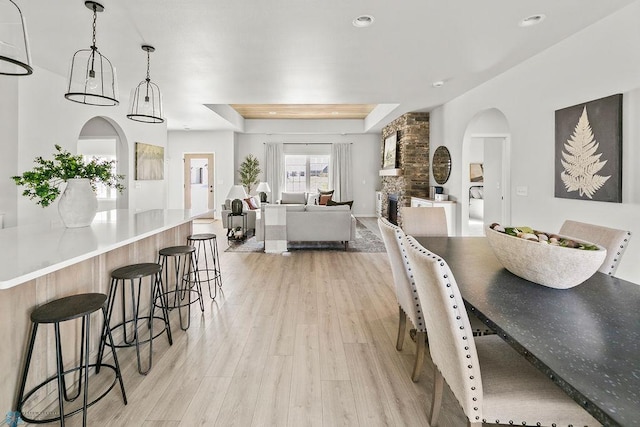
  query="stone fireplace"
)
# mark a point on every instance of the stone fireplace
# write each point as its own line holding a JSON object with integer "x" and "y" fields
{"x": 411, "y": 178}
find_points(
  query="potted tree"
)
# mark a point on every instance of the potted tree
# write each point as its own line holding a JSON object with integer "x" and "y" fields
{"x": 249, "y": 171}
{"x": 78, "y": 204}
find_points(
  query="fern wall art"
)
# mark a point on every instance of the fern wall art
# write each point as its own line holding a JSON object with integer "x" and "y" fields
{"x": 589, "y": 151}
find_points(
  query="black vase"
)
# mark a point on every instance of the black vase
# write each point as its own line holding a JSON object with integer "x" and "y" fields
{"x": 263, "y": 196}
{"x": 236, "y": 207}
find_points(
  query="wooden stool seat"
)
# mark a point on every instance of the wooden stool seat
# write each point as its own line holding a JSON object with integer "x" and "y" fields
{"x": 55, "y": 312}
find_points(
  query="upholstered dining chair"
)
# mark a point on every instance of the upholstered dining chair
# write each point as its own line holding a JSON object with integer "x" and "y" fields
{"x": 614, "y": 240}
{"x": 424, "y": 221}
{"x": 408, "y": 301}
{"x": 490, "y": 380}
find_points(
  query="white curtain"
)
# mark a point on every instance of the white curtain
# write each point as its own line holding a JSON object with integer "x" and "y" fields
{"x": 341, "y": 172}
{"x": 274, "y": 169}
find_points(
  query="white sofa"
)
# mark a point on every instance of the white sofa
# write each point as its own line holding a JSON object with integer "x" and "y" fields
{"x": 313, "y": 223}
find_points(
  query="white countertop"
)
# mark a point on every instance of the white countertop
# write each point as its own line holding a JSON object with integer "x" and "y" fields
{"x": 31, "y": 251}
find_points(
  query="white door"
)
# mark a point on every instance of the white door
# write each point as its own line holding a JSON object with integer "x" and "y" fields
{"x": 198, "y": 182}
{"x": 494, "y": 182}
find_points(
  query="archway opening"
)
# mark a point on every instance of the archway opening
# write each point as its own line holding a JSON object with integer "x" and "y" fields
{"x": 485, "y": 195}
{"x": 103, "y": 138}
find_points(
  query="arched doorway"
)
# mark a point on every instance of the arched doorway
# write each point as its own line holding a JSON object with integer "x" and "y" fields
{"x": 104, "y": 138}
{"x": 485, "y": 195}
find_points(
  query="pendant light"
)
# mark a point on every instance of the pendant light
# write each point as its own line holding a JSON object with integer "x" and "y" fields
{"x": 92, "y": 78}
{"x": 15, "y": 58}
{"x": 146, "y": 100}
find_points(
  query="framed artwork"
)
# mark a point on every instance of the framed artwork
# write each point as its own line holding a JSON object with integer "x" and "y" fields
{"x": 149, "y": 162}
{"x": 588, "y": 160}
{"x": 476, "y": 173}
{"x": 390, "y": 149}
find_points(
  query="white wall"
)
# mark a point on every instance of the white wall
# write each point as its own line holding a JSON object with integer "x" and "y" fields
{"x": 221, "y": 144}
{"x": 46, "y": 118}
{"x": 365, "y": 154}
{"x": 9, "y": 158}
{"x": 599, "y": 61}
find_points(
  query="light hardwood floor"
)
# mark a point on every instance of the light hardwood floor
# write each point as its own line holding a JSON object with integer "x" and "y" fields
{"x": 306, "y": 339}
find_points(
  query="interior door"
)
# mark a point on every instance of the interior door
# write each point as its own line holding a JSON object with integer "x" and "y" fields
{"x": 493, "y": 180}
{"x": 198, "y": 182}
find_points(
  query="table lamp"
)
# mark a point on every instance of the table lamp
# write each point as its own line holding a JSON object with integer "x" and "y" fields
{"x": 236, "y": 194}
{"x": 262, "y": 189}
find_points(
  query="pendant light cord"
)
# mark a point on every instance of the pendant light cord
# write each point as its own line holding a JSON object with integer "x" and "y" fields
{"x": 93, "y": 40}
{"x": 148, "y": 60}
{"x": 146, "y": 98}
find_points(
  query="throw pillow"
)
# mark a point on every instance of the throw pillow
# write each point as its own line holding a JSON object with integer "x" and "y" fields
{"x": 323, "y": 193}
{"x": 251, "y": 203}
{"x": 324, "y": 198}
{"x": 334, "y": 203}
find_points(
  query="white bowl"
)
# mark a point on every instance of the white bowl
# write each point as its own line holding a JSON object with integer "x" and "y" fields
{"x": 553, "y": 266}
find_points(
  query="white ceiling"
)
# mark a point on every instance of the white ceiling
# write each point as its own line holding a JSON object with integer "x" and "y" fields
{"x": 211, "y": 52}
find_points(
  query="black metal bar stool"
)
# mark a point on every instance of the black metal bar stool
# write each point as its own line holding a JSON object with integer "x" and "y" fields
{"x": 207, "y": 252}
{"x": 134, "y": 275}
{"x": 185, "y": 282}
{"x": 55, "y": 312}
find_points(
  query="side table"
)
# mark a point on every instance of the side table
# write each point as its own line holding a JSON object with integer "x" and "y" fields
{"x": 232, "y": 234}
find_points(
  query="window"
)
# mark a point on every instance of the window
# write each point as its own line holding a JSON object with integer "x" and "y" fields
{"x": 306, "y": 172}
{"x": 102, "y": 149}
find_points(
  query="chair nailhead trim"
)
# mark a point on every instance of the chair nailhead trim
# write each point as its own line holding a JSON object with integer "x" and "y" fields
{"x": 452, "y": 295}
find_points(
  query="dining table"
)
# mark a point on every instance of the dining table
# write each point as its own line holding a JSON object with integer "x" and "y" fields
{"x": 586, "y": 339}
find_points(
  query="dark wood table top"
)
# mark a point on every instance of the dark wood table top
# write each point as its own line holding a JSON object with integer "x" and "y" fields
{"x": 586, "y": 339}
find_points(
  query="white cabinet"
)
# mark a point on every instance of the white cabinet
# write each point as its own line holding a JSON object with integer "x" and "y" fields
{"x": 449, "y": 210}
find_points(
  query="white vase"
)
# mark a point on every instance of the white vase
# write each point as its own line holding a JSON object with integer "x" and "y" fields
{"x": 78, "y": 204}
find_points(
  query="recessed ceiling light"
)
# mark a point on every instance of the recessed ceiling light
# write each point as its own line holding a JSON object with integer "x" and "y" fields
{"x": 363, "y": 21}
{"x": 335, "y": 113}
{"x": 439, "y": 83}
{"x": 532, "y": 20}
{"x": 273, "y": 113}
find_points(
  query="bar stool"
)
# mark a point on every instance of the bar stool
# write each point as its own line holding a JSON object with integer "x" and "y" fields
{"x": 134, "y": 274}
{"x": 55, "y": 312}
{"x": 207, "y": 247}
{"x": 185, "y": 281}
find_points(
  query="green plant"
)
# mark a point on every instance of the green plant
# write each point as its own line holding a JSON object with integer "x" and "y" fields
{"x": 43, "y": 181}
{"x": 249, "y": 171}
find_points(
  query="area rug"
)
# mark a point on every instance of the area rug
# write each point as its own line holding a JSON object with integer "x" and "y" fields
{"x": 366, "y": 241}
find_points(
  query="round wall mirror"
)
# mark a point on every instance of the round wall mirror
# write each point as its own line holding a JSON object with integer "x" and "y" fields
{"x": 441, "y": 164}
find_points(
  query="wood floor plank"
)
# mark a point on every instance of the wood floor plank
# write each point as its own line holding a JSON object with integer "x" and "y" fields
{"x": 396, "y": 383}
{"x": 205, "y": 406}
{"x": 305, "y": 404}
{"x": 284, "y": 333}
{"x": 333, "y": 360}
{"x": 350, "y": 326}
{"x": 240, "y": 400}
{"x": 370, "y": 399}
{"x": 272, "y": 407}
{"x": 338, "y": 404}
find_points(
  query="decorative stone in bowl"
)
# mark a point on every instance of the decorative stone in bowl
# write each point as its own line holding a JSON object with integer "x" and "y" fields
{"x": 543, "y": 263}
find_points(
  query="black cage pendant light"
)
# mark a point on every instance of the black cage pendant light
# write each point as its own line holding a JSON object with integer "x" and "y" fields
{"x": 15, "y": 58}
{"x": 146, "y": 100}
{"x": 92, "y": 78}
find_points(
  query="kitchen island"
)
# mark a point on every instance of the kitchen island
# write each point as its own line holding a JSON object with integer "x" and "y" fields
{"x": 42, "y": 262}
